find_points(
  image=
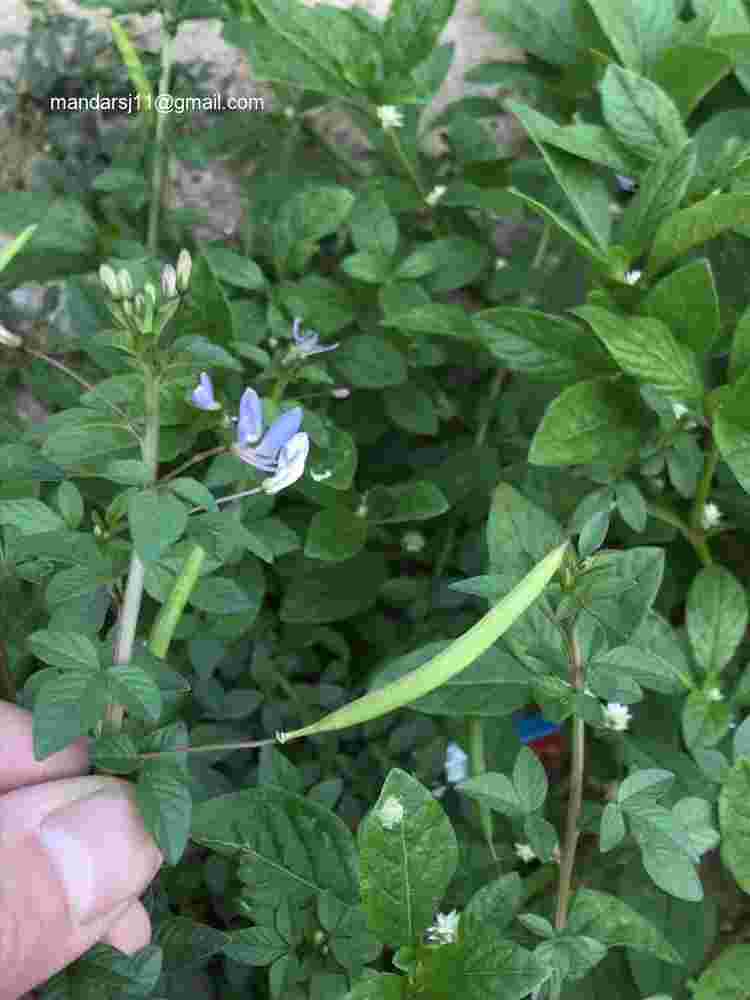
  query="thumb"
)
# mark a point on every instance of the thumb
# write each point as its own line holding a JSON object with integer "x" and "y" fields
{"x": 65, "y": 882}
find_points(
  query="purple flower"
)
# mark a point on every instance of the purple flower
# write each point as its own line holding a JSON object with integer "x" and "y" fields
{"x": 626, "y": 184}
{"x": 306, "y": 344}
{"x": 281, "y": 451}
{"x": 203, "y": 396}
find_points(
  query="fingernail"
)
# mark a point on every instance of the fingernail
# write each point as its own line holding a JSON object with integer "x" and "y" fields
{"x": 101, "y": 851}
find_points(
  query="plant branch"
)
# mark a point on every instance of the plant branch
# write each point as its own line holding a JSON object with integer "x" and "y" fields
{"x": 219, "y": 450}
{"x": 131, "y": 605}
{"x": 211, "y": 747}
{"x": 575, "y": 801}
{"x": 77, "y": 378}
{"x": 157, "y": 176}
{"x": 479, "y": 766}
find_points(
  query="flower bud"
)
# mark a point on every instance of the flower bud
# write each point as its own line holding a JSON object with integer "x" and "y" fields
{"x": 169, "y": 282}
{"x": 125, "y": 283}
{"x": 150, "y": 291}
{"x": 184, "y": 268}
{"x": 108, "y": 278}
{"x": 341, "y": 393}
{"x": 140, "y": 304}
{"x": 8, "y": 339}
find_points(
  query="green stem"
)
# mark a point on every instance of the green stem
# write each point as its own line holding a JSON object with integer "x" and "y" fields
{"x": 479, "y": 766}
{"x": 200, "y": 457}
{"x": 710, "y": 462}
{"x": 77, "y": 378}
{"x": 541, "y": 249}
{"x": 697, "y": 540}
{"x": 131, "y": 605}
{"x": 488, "y": 407}
{"x": 168, "y": 618}
{"x": 575, "y": 801}
{"x": 157, "y": 177}
{"x": 406, "y": 162}
{"x": 210, "y": 748}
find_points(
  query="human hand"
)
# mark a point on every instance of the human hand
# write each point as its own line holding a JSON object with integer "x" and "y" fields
{"x": 74, "y": 857}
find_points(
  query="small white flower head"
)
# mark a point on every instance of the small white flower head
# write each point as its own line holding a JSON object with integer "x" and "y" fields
{"x": 500, "y": 263}
{"x": 445, "y": 928}
{"x": 711, "y": 516}
{"x": 390, "y": 116}
{"x": 556, "y": 856}
{"x": 391, "y": 813}
{"x": 362, "y": 509}
{"x": 680, "y": 410}
{"x": 714, "y": 694}
{"x": 633, "y": 277}
{"x": 108, "y": 278}
{"x": 169, "y": 282}
{"x": 456, "y": 763}
{"x": 341, "y": 392}
{"x": 184, "y": 269}
{"x": 8, "y": 339}
{"x": 289, "y": 112}
{"x": 615, "y": 209}
{"x": 413, "y": 541}
{"x": 273, "y": 342}
{"x": 617, "y": 716}
{"x": 436, "y": 194}
{"x": 525, "y": 853}
{"x": 318, "y": 477}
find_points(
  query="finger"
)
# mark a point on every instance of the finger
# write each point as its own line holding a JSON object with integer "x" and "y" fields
{"x": 131, "y": 931}
{"x": 18, "y": 765}
{"x": 67, "y": 883}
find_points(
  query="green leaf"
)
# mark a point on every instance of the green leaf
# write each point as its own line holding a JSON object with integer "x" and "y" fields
{"x": 704, "y": 722}
{"x": 411, "y": 32}
{"x": 696, "y": 816}
{"x": 194, "y": 492}
{"x": 164, "y": 802}
{"x": 436, "y": 319}
{"x": 30, "y": 516}
{"x": 666, "y": 852}
{"x": 688, "y": 72}
{"x": 661, "y": 191}
{"x": 205, "y": 313}
{"x": 306, "y": 218}
{"x": 582, "y": 242}
{"x": 549, "y": 31}
{"x": 646, "y": 349}
{"x": 219, "y": 595}
{"x": 695, "y": 225}
{"x": 458, "y": 262}
{"x": 739, "y": 360}
{"x": 593, "y": 420}
{"x": 77, "y": 581}
{"x": 541, "y": 836}
{"x": 371, "y": 268}
{"x": 495, "y": 685}
{"x": 412, "y": 409}
{"x": 631, "y": 505}
{"x": 687, "y": 301}
{"x": 69, "y": 502}
{"x": 638, "y": 30}
{"x": 717, "y": 617}
{"x": 136, "y": 690}
{"x": 128, "y": 472}
{"x": 612, "y": 830}
{"x": 351, "y": 942}
{"x": 381, "y": 986}
{"x": 317, "y": 595}
{"x": 374, "y": 228}
{"x": 290, "y": 847}
{"x": 77, "y": 445}
{"x": 408, "y": 855}
{"x": 259, "y": 945}
{"x": 335, "y": 534}
{"x": 495, "y": 791}
{"x": 644, "y": 787}
{"x": 624, "y": 591}
{"x": 104, "y": 971}
{"x": 234, "y": 269}
{"x": 415, "y": 501}
{"x": 734, "y": 818}
{"x": 57, "y": 718}
{"x": 447, "y": 664}
{"x": 115, "y": 752}
{"x": 585, "y": 189}
{"x": 646, "y": 668}
{"x": 731, "y": 430}
{"x": 187, "y": 944}
{"x": 205, "y": 353}
{"x": 530, "y": 780}
{"x": 157, "y": 520}
{"x": 726, "y": 977}
{"x": 642, "y": 116}
{"x": 66, "y": 650}
{"x": 547, "y": 348}
{"x": 611, "y": 921}
{"x": 370, "y": 362}
{"x": 19, "y": 461}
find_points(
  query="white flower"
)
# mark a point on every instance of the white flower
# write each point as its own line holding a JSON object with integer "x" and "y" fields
{"x": 291, "y": 464}
{"x": 184, "y": 270}
{"x": 436, "y": 194}
{"x": 714, "y": 694}
{"x": 614, "y": 208}
{"x": 320, "y": 476}
{"x": 390, "y": 116}
{"x": 633, "y": 277}
{"x": 169, "y": 282}
{"x": 341, "y": 393}
{"x": 525, "y": 852}
{"x": 710, "y": 517}
{"x": 500, "y": 263}
{"x": 681, "y": 411}
{"x": 455, "y": 763}
{"x": 8, "y": 339}
{"x": 391, "y": 813}
{"x": 617, "y": 716}
{"x": 445, "y": 928}
{"x": 289, "y": 112}
{"x": 108, "y": 278}
{"x": 413, "y": 541}
{"x": 556, "y": 856}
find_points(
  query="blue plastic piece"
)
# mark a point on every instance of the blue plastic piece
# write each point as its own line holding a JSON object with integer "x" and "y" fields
{"x": 533, "y": 727}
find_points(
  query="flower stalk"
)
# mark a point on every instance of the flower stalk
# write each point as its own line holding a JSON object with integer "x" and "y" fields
{"x": 157, "y": 176}
{"x": 131, "y": 605}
